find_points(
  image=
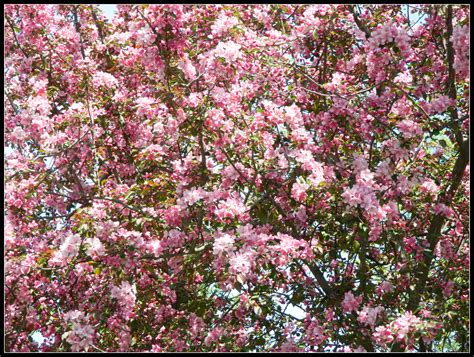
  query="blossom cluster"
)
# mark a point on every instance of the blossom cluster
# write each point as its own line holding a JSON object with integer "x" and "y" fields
{"x": 185, "y": 177}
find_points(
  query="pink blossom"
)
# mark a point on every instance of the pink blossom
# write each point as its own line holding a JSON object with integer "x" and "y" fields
{"x": 224, "y": 244}
{"x": 126, "y": 297}
{"x": 104, "y": 79}
{"x": 222, "y": 24}
{"x": 229, "y": 50}
{"x": 350, "y": 302}
{"x": 361, "y": 194}
{"x": 444, "y": 249}
{"x": 196, "y": 325}
{"x": 317, "y": 176}
{"x": 429, "y": 186}
{"x": 448, "y": 288}
{"x": 443, "y": 210}
{"x": 298, "y": 191}
{"x": 383, "y": 335}
{"x": 409, "y": 128}
{"x": 366, "y": 177}
{"x": 315, "y": 333}
{"x": 461, "y": 43}
{"x": 289, "y": 346}
{"x": 440, "y": 104}
{"x": 213, "y": 335}
{"x": 68, "y": 249}
{"x": 96, "y": 247}
{"x": 82, "y": 335}
{"x": 405, "y": 324}
{"x": 232, "y": 207}
{"x": 18, "y": 133}
{"x": 173, "y": 169}
{"x": 383, "y": 169}
{"x": 368, "y": 315}
{"x": 155, "y": 247}
{"x": 359, "y": 164}
{"x": 384, "y": 288}
{"x": 288, "y": 245}
{"x": 187, "y": 67}
{"x": 241, "y": 263}
{"x": 382, "y": 35}
{"x": 191, "y": 196}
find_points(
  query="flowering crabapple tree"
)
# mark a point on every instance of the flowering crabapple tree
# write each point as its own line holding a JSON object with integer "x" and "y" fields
{"x": 185, "y": 178}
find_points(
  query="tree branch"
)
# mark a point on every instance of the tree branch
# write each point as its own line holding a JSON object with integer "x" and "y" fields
{"x": 434, "y": 232}
{"x": 77, "y": 26}
{"x": 16, "y": 38}
{"x": 451, "y": 85}
{"x": 359, "y": 24}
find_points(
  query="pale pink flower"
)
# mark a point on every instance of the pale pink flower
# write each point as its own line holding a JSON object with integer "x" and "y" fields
{"x": 317, "y": 176}
{"x": 18, "y": 133}
{"x": 126, "y": 297}
{"x": 223, "y": 24}
{"x": 461, "y": 42}
{"x": 329, "y": 314}
{"x": 96, "y": 247}
{"x": 359, "y": 164}
{"x": 350, "y": 302}
{"x": 429, "y": 186}
{"x": 289, "y": 245}
{"x": 448, "y": 288}
{"x": 405, "y": 324}
{"x": 213, "y": 335}
{"x": 241, "y": 263}
{"x": 223, "y": 244}
{"x": 443, "y": 210}
{"x": 289, "y": 346}
{"x": 104, "y": 79}
{"x": 68, "y": 249}
{"x": 187, "y": 67}
{"x": 368, "y": 315}
{"x": 384, "y": 287}
{"x": 155, "y": 247}
{"x": 305, "y": 158}
{"x": 383, "y": 169}
{"x": 191, "y": 196}
{"x": 229, "y": 50}
{"x": 315, "y": 333}
{"x": 404, "y": 77}
{"x": 298, "y": 191}
{"x": 383, "y": 335}
{"x": 196, "y": 325}
{"x": 444, "y": 249}
{"x": 366, "y": 177}
{"x": 81, "y": 337}
{"x": 409, "y": 128}
{"x": 440, "y": 104}
{"x": 352, "y": 196}
{"x": 230, "y": 208}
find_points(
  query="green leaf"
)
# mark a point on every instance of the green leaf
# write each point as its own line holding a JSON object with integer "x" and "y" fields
{"x": 257, "y": 310}
{"x": 129, "y": 194}
{"x": 355, "y": 245}
{"x": 297, "y": 298}
{"x": 83, "y": 228}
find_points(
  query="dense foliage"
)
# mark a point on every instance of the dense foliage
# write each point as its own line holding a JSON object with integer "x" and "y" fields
{"x": 187, "y": 178}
